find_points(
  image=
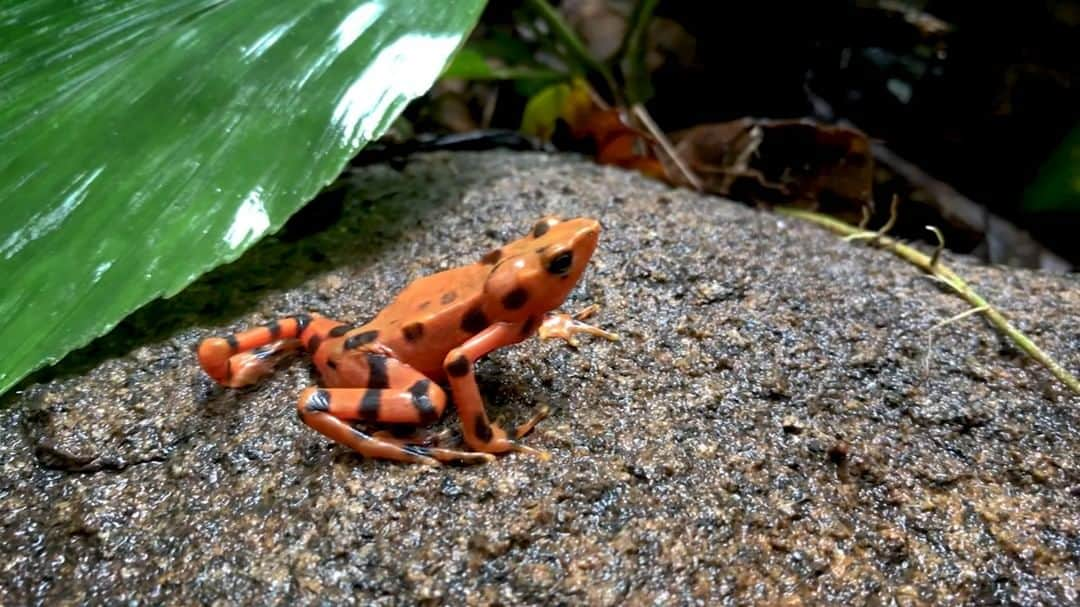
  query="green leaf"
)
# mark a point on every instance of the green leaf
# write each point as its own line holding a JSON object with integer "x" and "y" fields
{"x": 569, "y": 101}
{"x": 146, "y": 142}
{"x": 543, "y": 110}
{"x": 638, "y": 85}
{"x": 470, "y": 64}
{"x": 506, "y": 45}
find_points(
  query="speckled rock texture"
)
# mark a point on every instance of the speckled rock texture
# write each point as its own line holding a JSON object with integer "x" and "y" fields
{"x": 773, "y": 428}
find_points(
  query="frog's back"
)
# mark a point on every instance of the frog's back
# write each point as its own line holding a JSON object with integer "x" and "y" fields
{"x": 433, "y": 296}
{"x": 427, "y": 319}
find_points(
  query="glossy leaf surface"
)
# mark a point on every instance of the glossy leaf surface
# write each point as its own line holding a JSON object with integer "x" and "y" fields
{"x": 471, "y": 64}
{"x": 143, "y": 143}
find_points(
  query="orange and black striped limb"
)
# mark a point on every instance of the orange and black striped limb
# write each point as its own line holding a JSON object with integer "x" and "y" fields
{"x": 394, "y": 393}
{"x": 330, "y": 411}
{"x": 479, "y": 432}
{"x": 240, "y": 359}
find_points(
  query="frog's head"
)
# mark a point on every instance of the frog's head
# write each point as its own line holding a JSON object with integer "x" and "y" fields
{"x": 534, "y": 274}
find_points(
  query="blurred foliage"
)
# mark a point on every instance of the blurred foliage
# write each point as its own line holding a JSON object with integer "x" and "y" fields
{"x": 1057, "y": 186}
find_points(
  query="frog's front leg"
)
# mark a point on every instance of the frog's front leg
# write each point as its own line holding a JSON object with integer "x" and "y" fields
{"x": 479, "y": 432}
{"x": 395, "y": 393}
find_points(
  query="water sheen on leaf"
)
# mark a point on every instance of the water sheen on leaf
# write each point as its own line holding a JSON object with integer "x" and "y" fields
{"x": 143, "y": 143}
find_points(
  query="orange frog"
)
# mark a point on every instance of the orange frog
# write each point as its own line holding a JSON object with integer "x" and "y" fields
{"x": 388, "y": 371}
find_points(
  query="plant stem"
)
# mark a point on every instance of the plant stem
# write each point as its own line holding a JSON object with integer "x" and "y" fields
{"x": 654, "y": 131}
{"x": 574, "y": 45}
{"x": 937, "y": 269}
{"x": 632, "y": 51}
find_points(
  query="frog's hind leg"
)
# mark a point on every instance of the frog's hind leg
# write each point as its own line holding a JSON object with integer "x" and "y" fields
{"x": 363, "y": 443}
{"x": 396, "y": 394}
{"x": 240, "y": 359}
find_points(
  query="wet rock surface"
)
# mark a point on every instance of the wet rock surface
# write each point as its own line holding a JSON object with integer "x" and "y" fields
{"x": 770, "y": 428}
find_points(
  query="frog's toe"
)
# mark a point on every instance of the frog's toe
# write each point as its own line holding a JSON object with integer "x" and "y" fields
{"x": 517, "y": 447}
{"x": 528, "y": 426}
{"x": 567, "y": 327}
{"x": 452, "y": 456}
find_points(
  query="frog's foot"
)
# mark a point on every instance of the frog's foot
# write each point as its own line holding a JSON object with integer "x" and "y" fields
{"x": 363, "y": 443}
{"x": 425, "y": 445}
{"x": 415, "y": 436}
{"x": 528, "y": 426}
{"x": 246, "y": 368}
{"x": 520, "y": 448}
{"x": 567, "y": 326}
{"x": 501, "y": 443}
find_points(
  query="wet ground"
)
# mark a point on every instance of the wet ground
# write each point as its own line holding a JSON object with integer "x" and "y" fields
{"x": 774, "y": 427}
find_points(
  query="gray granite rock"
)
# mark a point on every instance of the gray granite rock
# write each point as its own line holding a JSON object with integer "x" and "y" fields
{"x": 769, "y": 429}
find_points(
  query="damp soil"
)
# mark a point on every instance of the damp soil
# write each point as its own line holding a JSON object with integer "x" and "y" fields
{"x": 775, "y": 425}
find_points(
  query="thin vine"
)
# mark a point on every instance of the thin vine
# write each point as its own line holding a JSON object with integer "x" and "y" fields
{"x": 933, "y": 266}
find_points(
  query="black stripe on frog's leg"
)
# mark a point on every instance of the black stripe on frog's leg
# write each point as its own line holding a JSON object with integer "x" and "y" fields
{"x": 302, "y": 321}
{"x": 541, "y": 228}
{"x": 482, "y": 428}
{"x": 360, "y": 339}
{"x": 275, "y": 329}
{"x": 422, "y": 401}
{"x": 378, "y": 378}
{"x": 319, "y": 401}
{"x": 232, "y": 341}
{"x": 459, "y": 367}
{"x": 370, "y": 404}
{"x": 339, "y": 330}
{"x": 530, "y": 325}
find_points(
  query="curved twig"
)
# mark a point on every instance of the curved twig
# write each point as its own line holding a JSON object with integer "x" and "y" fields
{"x": 874, "y": 237}
{"x": 940, "y": 246}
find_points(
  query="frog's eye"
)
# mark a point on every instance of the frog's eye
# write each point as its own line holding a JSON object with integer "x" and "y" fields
{"x": 560, "y": 264}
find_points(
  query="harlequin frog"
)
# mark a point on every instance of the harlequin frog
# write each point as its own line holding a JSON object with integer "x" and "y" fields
{"x": 388, "y": 371}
